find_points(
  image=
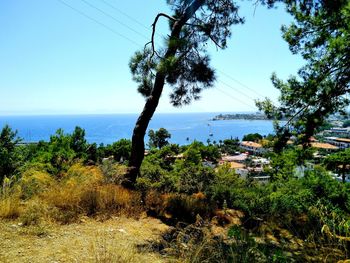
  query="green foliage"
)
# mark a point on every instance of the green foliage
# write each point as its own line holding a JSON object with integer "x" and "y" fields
{"x": 328, "y": 190}
{"x": 346, "y": 123}
{"x": 57, "y": 153}
{"x": 10, "y": 157}
{"x": 112, "y": 172}
{"x": 142, "y": 69}
{"x": 284, "y": 198}
{"x": 156, "y": 170}
{"x": 120, "y": 150}
{"x": 321, "y": 35}
{"x": 225, "y": 183}
{"x": 282, "y": 165}
{"x": 184, "y": 63}
{"x": 158, "y": 139}
{"x": 153, "y": 176}
{"x": 193, "y": 178}
{"x": 62, "y": 150}
{"x": 339, "y": 162}
{"x": 168, "y": 169}
{"x": 229, "y": 146}
{"x": 253, "y": 137}
{"x": 209, "y": 152}
{"x": 78, "y": 143}
{"x": 290, "y": 198}
{"x": 93, "y": 153}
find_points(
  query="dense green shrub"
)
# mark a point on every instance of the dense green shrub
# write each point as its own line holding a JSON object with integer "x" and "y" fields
{"x": 154, "y": 177}
{"x": 10, "y": 156}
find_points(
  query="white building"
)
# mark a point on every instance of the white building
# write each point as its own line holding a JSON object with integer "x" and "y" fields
{"x": 253, "y": 147}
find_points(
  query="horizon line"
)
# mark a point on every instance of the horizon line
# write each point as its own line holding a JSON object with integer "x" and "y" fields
{"x": 124, "y": 113}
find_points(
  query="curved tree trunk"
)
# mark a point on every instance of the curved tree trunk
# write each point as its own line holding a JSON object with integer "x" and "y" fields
{"x": 138, "y": 144}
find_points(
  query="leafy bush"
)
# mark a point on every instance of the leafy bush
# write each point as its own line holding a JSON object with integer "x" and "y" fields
{"x": 254, "y": 137}
{"x": 10, "y": 157}
{"x": 120, "y": 150}
{"x": 154, "y": 177}
{"x": 113, "y": 172}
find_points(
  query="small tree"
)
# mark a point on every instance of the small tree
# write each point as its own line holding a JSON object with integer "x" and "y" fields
{"x": 321, "y": 35}
{"x": 230, "y": 146}
{"x": 9, "y": 157}
{"x": 78, "y": 143}
{"x": 119, "y": 149}
{"x": 340, "y": 162}
{"x": 59, "y": 152}
{"x": 253, "y": 137}
{"x": 158, "y": 138}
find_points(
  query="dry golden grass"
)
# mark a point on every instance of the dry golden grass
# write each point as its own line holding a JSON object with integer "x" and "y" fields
{"x": 114, "y": 240}
{"x": 81, "y": 191}
{"x": 39, "y": 201}
{"x": 34, "y": 182}
{"x": 10, "y": 206}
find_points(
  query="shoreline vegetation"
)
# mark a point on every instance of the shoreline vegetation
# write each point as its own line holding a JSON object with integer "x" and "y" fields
{"x": 241, "y": 116}
{"x": 202, "y": 209}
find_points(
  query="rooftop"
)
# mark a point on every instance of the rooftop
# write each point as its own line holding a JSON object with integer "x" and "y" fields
{"x": 342, "y": 140}
{"x": 251, "y": 144}
{"x": 234, "y": 165}
{"x": 321, "y": 145}
{"x": 238, "y": 158}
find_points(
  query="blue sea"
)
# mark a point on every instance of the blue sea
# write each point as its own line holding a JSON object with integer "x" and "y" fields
{"x": 184, "y": 128}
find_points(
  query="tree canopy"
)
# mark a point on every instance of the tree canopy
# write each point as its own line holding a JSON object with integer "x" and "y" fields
{"x": 183, "y": 63}
{"x": 339, "y": 162}
{"x": 254, "y": 137}
{"x": 321, "y": 35}
{"x": 158, "y": 138}
{"x": 9, "y": 157}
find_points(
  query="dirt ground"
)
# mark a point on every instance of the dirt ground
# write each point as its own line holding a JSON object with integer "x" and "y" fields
{"x": 114, "y": 240}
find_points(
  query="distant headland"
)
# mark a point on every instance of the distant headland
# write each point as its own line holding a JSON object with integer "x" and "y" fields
{"x": 241, "y": 116}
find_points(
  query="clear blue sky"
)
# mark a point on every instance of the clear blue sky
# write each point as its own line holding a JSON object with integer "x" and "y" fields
{"x": 54, "y": 60}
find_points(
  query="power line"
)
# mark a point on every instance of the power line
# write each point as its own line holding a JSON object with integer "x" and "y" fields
{"x": 241, "y": 101}
{"x": 112, "y": 17}
{"x": 137, "y": 44}
{"x": 240, "y": 83}
{"x": 130, "y": 17}
{"x": 100, "y": 23}
{"x": 125, "y": 14}
{"x": 237, "y": 90}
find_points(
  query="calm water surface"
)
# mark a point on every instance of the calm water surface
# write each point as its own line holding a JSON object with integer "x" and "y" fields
{"x": 184, "y": 128}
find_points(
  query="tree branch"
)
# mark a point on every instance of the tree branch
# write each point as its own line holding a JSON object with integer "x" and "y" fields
{"x": 154, "y": 31}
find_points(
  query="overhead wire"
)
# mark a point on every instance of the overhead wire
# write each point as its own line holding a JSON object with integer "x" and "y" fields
{"x": 113, "y": 18}
{"x": 139, "y": 45}
{"x": 240, "y": 83}
{"x": 148, "y": 28}
{"x": 125, "y": 14}
{"x": 236, "y": 89}
{"x": 223, "y": 73}
{"x": 100, "y": 23}
{"x": 236, "y": 99}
